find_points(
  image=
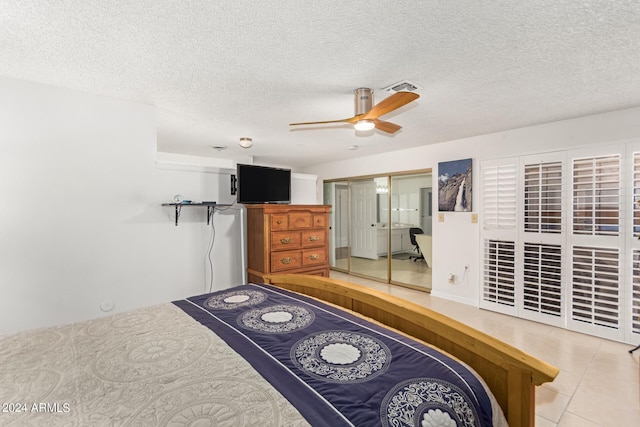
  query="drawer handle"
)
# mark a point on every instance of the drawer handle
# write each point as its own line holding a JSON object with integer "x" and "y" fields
{"x": 286, "y": 260}
{"x": 313, "y": 238}
{"x": 279, "y": 222}
{"x": 314, "y": 257}
{"x": 285, "y": 240}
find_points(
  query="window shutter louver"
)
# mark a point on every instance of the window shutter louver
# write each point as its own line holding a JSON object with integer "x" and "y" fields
{"x": 636, "y": 193}
{"x": 596, "y": 195}
{"x": 595, "y": 295}
{"x": 543, "y": 197}
{"x": 499, "y": 197}
{"x": 635, "y": 294}
{"x": 542, "y": 279}
{"x": 499, "y": 272}
{"x": 635, "y": 271}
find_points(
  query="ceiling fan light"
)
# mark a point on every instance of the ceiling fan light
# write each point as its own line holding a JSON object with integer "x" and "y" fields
{"x": 363, "y": 125}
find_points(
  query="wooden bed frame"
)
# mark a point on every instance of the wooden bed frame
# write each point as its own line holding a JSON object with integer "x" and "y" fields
{"x": 511, "y": 374}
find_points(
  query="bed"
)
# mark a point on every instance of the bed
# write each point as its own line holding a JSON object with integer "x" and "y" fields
{"x": 283, "y": 353}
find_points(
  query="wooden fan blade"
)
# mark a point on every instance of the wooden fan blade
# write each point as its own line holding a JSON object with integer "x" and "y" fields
{"x": 389, "y": 104}
{"x": 349, "y": 120}
{"x": 387, "y": 126}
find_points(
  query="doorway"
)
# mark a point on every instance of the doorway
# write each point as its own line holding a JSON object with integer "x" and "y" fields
{"x": 374, "y": 220}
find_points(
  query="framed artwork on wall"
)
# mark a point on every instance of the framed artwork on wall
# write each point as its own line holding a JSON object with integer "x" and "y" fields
{"x": 455, "y": 186}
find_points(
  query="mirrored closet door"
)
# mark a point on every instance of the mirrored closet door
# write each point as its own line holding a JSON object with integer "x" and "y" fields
{"x": 374, "y": 225}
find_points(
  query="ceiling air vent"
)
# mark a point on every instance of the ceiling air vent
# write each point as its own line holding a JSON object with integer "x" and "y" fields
{"x": 403, "y": 86}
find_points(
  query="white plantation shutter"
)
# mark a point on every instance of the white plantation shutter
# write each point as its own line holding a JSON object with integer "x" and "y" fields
{"x": 499, "y": 272}
{"x": 499, "y": 214}
{"x": 543, "y": 197}
{"x": 596, "y": 195}
{"x": 499, "y": 196}
{"x": 634, "y": 235}
{"x": 542, "y": 236}
{"x": 561, "y": 238}
{"x": 542, "y": 279}
{"x": 635, "y": 294}
{"x": 636, "y": 193}
{"x": 596, "y": 277}
{"x": 595, "y": 293}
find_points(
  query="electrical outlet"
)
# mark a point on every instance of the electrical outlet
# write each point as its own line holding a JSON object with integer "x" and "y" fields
{"x": 452, "y": 278}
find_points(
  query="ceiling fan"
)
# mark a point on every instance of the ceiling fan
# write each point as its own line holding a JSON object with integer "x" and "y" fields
{"x": 366, "y": 114}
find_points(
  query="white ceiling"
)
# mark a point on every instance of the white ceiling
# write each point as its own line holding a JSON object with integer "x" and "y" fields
{"x": 225, "y": 69}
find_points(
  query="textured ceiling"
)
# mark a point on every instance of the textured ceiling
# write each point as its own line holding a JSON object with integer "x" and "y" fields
{"x": 225, "y": 69}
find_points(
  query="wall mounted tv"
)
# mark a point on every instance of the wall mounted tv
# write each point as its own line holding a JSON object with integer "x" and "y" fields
{"x": 263, "y": 184}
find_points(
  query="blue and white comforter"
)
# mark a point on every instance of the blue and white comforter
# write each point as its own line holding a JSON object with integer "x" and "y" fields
{"x": 338, "y": 369}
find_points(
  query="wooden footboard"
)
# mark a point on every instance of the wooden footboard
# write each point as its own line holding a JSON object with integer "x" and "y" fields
{"x": 511, "y": 374}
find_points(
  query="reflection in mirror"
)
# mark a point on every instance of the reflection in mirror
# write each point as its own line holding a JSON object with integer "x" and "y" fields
{"x": 411, "y": 217}
{"x": 366, "y": 246}
{"x": 336, "y": 194}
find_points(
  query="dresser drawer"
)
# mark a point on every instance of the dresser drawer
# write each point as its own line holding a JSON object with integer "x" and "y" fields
{"x": 282, "y": 240}
{"x": 279, "y": 222}
{"x": 300, "y": 220}
{"x": 289, "y": 260}
{"x": 314, "y": 256}
{"x": 312, "y": 238}
{"x": 319, "y": 221}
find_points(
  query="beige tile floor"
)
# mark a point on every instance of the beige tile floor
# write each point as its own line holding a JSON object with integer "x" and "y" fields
{"x": 598, "y": 383}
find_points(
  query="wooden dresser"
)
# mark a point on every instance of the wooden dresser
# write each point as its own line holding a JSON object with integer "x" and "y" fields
{"x": 287, "y": 239}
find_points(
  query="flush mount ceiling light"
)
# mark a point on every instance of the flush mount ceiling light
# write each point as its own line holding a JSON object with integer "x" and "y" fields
{"x": 246, "y": 142}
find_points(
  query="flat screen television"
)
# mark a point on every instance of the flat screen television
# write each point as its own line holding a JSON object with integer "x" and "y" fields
{"x": 263, "y": 184}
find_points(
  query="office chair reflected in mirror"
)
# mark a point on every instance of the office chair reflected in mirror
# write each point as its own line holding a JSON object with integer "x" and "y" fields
{"x": 412, "y": 237}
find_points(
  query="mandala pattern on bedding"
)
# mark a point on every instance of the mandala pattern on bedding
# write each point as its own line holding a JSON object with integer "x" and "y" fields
{"x": 341, "y": 356}
{"x": 31, "y": 346}
{"x": 152, "y": 367}
{"x": 277, "y": 319}
{"x": 124, "y": 323}
{"x": 427, "y": 402}
{"x": 148, "y": 356}
{"x": 215, "y": 401}
{"x": 235, "y": 299}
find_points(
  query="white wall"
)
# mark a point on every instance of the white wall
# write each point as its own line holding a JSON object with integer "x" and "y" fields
{"x": 456, "y": 241}
{"x": 303, "y": 189}
{"x": 81, "y": 220}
